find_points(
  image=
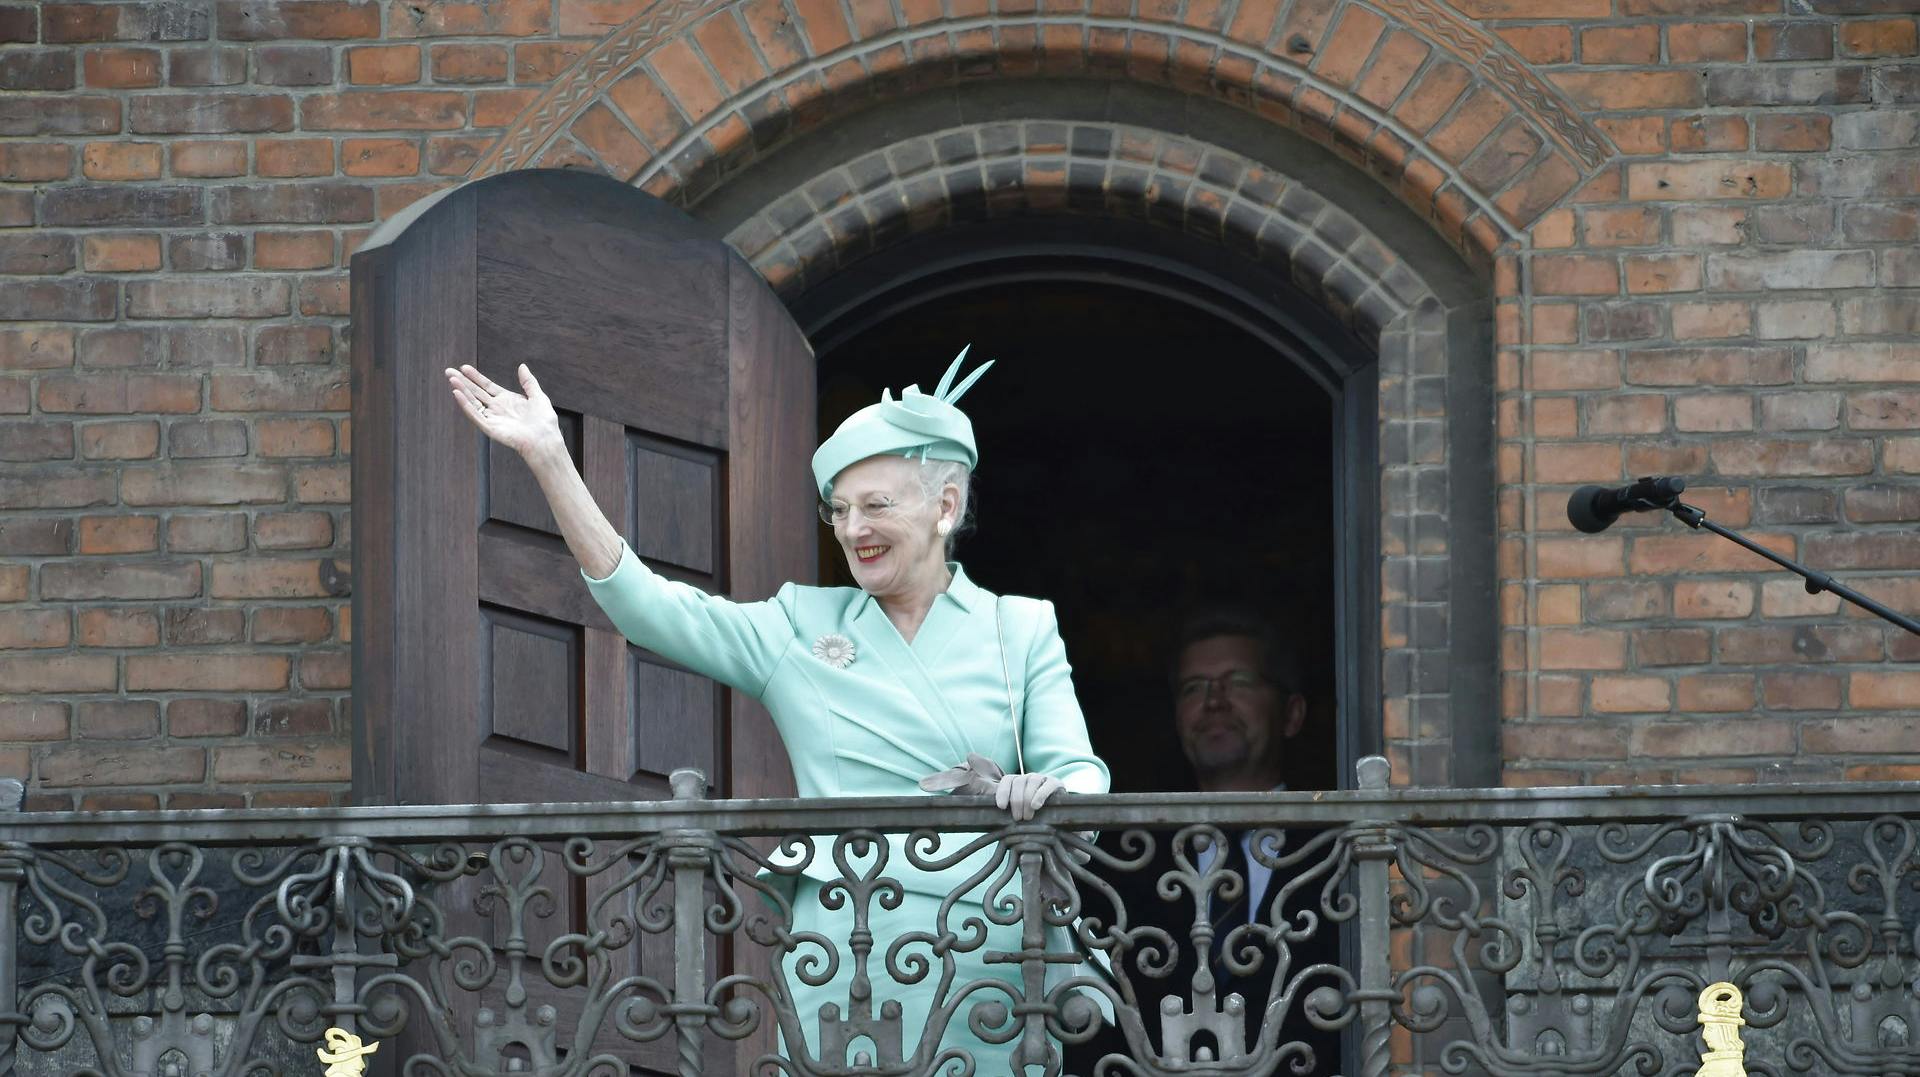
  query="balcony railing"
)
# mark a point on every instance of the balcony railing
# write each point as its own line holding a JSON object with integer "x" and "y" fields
{"x": 1560, "y": 932}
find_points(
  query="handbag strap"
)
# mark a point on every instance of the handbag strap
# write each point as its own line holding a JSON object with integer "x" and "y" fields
{"x": 1006, "y": 675}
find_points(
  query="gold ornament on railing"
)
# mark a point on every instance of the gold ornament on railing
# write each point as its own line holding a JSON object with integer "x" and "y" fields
{"x": 1720, "y": 1024}
{"x": 343, "y": 1052}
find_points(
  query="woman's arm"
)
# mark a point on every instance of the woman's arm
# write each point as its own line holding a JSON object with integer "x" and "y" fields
{"x": 528, "y": 425}
{"x": 738, "y": 644}
{"x": 594, "y": 542}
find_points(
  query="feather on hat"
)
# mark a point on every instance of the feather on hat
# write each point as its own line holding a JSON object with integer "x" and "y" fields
{"x": 916, "y": 425}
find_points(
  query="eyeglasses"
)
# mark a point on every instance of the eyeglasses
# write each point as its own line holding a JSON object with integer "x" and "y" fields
{"x": 874, "y": 509}
{"x": 1233, "y": 682}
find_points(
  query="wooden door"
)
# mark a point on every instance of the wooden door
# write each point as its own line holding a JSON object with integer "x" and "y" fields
{"x": 483, "y": 671}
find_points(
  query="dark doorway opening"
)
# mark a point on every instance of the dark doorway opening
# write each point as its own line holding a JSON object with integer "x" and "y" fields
{"x": 1140, "y": 457}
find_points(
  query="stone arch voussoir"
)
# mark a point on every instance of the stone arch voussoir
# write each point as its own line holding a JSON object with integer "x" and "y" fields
{"x": 1437, "y": 109}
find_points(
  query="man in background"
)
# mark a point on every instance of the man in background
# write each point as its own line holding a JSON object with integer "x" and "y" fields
{"x": 1237, "y": 703}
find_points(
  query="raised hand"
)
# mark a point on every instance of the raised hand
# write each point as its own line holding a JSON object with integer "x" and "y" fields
{"x": 521, "y": 422}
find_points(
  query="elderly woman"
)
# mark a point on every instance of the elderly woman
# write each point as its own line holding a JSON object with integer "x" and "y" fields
{"x": 916, "y": 679}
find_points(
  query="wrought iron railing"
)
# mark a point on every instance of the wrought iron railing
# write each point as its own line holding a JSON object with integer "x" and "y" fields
{"x": 1545, "y": 932}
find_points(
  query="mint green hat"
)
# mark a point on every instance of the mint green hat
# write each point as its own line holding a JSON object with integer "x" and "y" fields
{"x": 916, "y": 425}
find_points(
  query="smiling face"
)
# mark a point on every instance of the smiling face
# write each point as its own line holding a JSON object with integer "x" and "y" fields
{"x": 902, "y": 554}
{"x": 1231, "y": 720}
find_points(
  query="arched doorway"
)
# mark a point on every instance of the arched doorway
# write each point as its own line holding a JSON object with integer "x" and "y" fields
{"x": 902, "y": 231}
{"x": 1158, "y": 446}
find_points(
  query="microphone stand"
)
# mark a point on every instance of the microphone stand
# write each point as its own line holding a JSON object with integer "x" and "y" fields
{"x": 1816, "y": 581}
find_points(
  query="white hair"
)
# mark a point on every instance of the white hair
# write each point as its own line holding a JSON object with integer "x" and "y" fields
{"x": 935, "y": 476}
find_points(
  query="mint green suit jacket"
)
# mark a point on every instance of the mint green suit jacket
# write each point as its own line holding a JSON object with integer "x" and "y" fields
{"x": 898, "y": 711}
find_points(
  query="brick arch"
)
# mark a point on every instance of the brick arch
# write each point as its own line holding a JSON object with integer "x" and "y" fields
{"x": 1439, "y": 110}
{"x": 888, "y": 192}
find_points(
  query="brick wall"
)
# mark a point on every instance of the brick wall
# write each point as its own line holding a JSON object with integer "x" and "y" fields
{"x": 1732, "y": 296}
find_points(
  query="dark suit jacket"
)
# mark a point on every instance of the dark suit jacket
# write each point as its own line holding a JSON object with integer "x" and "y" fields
{"x": 1146, "y": 908}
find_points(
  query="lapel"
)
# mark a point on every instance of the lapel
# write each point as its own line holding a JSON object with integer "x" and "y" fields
{"x": 950, "y": 616}
{"x": 876, "y": 635}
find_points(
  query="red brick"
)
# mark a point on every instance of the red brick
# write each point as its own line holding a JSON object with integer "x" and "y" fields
{"x": 321, "y": 672}
{"x": 1795, "y": 691}
{"x": 293, "y": 65}
{"x": 1540, "y": 44}
{"x": 1808, "y": 133}
{"x": 1783, "y": 644}
{"x": 291, "y": 761}
{"x": 282, "y": 345}
{"x": 196, "y": 626}
{"x": 286, "y": 157}
{"x": 93, "y": 765}
{"x": 307, "y": 624}
{"x": 1582, "y": 648}
{"x": 270, "y": 579}
{"x": 1693, "y": 552}
{"x": 1713, "y": 412}
{"x": 1553, "y": 371}
{"x": 1631, "y": 413}
{"x": 1710, "y": 366}
{"x": 1471, "y": 122}
{"x": 1579, "y": 557}
{"x": 59, "y": 674}
{"x": 207, "y": 160}
{"x": 1877, "y": 362}
{"x": 206, "y": 718}
{"x": 1576, "y": 462}
{"x": 1708, "y": 134}
{"x": 1575, "y": 741}
{"x": 119, "y": 534}
{"x": 1715, "y": 692}
{"x": 281, "y": 390}
{"x": 465, "y": 18}
{"x": 33, "y": 720}
{"x": 1627, "y": 91}
{"x": 543, "y": 61}
{"x": 1663, "y": 181}
{"x": 469, "y": 63}
{"x": 33, "y": 162}
{"x": 1712, "y": 599}
{"x": 1631, "y": 695}
{"x": 1773, "y": 458}
{"x": 118, "y": 719}
{"x": 1879, "y": 37}
{"x": 133, "y": 440}
{"x": 30, "y": 629}
{"x": 498, "y": 108}
{"x": 294, "y": 437}
{"x": 384, "y": 110}
{"x": 1620, "y": 45}
{"x": 266, "y": 20}
{"x": 383, "y": 65}
{"x": 1574, "y": 274}
{"x": 380, "y": 157}
{"x": 1700, "y": 42}
{"x": 204, "y": 484}
{"x": 207, "y": 673}
{"x": 207, "y": 533}
{"x": 1749, "y": 737}
{"x": 293, "y": 530}
{"x": 1793, "y": 41}
{"x": 190, "y": 113}
{"x": 121, "y": 69}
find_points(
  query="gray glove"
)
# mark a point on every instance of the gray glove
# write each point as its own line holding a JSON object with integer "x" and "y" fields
{"x": 1020, "y": 794}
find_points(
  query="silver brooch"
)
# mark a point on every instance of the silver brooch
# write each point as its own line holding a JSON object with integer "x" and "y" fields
{"x": 834, "y": 649}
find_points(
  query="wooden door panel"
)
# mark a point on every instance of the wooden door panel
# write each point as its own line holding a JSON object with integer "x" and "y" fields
{"x": 680, "y": 489}
{"x": 600, "y": 326}
{"x": 534, "y": 676}
{"x": 483, "y": 670}
{"x": 512, "y": 494}
{"x": 676, "y": 718}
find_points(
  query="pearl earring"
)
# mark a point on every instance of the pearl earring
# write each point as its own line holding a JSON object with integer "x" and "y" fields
{"x": 943, "y": 526}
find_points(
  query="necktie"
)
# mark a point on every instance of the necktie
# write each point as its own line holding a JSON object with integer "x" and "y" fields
{"x": 1227, "y": 915}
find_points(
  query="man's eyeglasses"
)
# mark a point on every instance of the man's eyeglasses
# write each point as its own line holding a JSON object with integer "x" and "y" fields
{"x": 874, "y": 509}
{"x": 1233, "y": 682}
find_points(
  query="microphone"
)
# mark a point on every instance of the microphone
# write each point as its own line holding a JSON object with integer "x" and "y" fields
{"x": 1593, "y": 509}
